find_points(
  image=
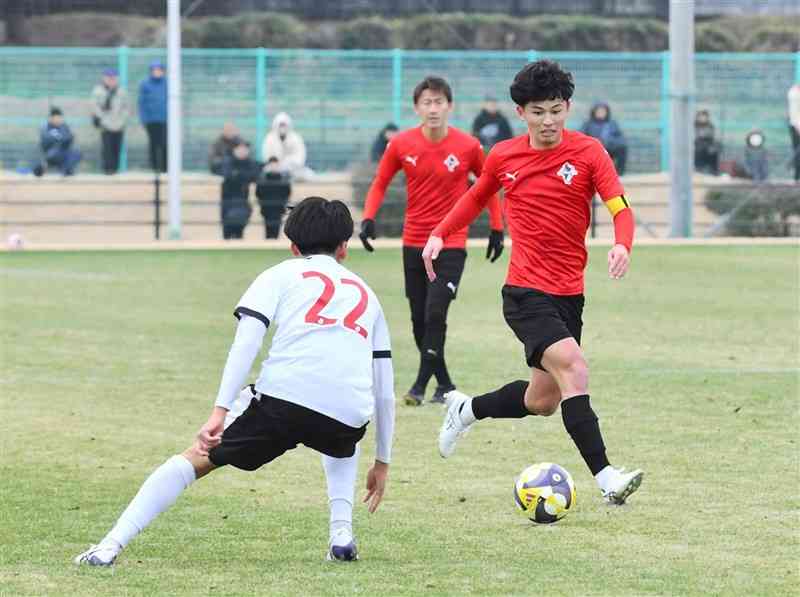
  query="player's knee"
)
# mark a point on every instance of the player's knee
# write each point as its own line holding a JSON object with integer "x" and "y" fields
{"x": 577, "y": 372}
{"x": 543, "y": 406}
{"x": 200, "y": 462}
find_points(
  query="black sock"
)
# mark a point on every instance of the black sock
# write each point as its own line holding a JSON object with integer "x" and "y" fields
{"x": 506, "y": 403}
{"x": 426, "y": 369}
{"x": 581, "y": 424}
{"x": 443, "y": 376}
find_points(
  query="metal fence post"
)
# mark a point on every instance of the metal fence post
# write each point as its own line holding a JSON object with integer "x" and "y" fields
{"x": 261, "y": 99}
{"x": 123, "y": 52}
{"x": 797, "y": 67}
{"x": 397, "y": 85}
{"x": 664, "y": 120}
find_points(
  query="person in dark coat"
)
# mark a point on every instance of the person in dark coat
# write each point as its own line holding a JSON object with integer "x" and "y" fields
{"x": 56, "y": 142}
{"x": 239, "y": 170}
{"x": 601, "y": 126}
{"x": 707, "y": 149}
{"x": 490, "y": 126}
{"x": 381, "y": 141}
{"x": 223, "y": 146}
{"x": 153, "y": 114}
{"x": 273, "y": 190}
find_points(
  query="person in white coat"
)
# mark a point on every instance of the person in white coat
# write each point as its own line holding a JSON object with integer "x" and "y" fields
{"x": 287, "y": 146}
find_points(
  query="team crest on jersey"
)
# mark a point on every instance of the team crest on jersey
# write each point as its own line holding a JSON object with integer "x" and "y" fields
{"x": 567, "y": 172}
{"x": 451, "y": 162}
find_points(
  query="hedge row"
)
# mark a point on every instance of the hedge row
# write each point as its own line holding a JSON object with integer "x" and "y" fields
{"x": 446, "y": 31}
{"x": 758, "y": 210}
{"x": 460, "y": 31}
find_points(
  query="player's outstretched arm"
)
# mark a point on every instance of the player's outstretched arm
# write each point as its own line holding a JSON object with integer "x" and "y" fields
{"x": 387, "y": 168}
{"x": 249, "y": 336}
{"x": 383, "y": 390}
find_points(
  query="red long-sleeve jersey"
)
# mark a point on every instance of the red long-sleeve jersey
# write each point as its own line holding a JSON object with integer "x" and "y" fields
{"x": 437, "y": 174}
{"x": 547, "y": 201}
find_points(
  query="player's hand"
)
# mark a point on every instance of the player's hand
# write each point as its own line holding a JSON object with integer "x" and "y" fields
{"x": 376, "y": 485}
{"x": 210, "y": 434}
{"x": 367, "y": 232}
{"x": 430, "y": 253}
{"x": 495, "y": 248}
{"x": 618, "y": 262}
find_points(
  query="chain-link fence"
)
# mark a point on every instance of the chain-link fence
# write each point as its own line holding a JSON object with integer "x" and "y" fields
{"x": 340, "y": 99}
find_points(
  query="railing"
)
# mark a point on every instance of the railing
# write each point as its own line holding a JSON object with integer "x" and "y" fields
{"x": 340, "y": 99}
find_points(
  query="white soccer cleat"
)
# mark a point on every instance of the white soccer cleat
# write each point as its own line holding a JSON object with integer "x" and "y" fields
{"x": 452, "y": 427}
{"x": 342, "y": 547}
{"x": 622, "y": 486}
{"x": 97, "y": 555}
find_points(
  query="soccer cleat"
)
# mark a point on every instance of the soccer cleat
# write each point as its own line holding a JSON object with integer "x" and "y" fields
{"x": 452, "y": 427}
{"x": 622, "y": 486}
{"x": 414, "y": 397}
{"x": 342, "y": 547}
{"x": 438, "y": 395}
{"x": 97, "y": 555}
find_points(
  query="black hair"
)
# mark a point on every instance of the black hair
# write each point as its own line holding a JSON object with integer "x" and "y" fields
{"x": 539, "y": 81}
{"x": 436, "y": 84}
{"x": 317, "y": 225}
{"x": 56, "y": 111}
{"x": 272, "y": 160}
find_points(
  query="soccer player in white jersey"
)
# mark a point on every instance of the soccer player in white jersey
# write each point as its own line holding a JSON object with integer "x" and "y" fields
{"x": 328, "y": 320}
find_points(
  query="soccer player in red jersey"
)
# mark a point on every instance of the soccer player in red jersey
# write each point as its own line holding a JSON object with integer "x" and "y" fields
{"x": 549, "y": 176}
{"x": 437, "y": 160}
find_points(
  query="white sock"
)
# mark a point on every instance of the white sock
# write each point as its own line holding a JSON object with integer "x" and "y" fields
{"x": 341, "y": 476}
{"x": 465, "y": 413}
{"x": 605, "y": 477}
{"x": 157, "y": 493}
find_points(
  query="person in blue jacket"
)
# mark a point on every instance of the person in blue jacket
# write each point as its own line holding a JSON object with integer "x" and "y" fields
{"x": 56, "y": 142}
{"x": 604, "y": 128}
{"x": 153, "y": 114}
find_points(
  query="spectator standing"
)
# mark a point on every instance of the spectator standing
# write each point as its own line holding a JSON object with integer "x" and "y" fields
{"x": 490, "y": 126}
{"x": 110, "y": 109}
{"x": 153, "y": 114}
{"x": 287, "y": 146}
{"x": 272, "y": 191}
{"x": 239, "y": 170}
{"x": 602, "y": 127}
{"x": 382, "y": 140}
{"x": 793, "y": 98}
{"x": 56, "y": 142}
{"x": 222, "y": 147}
{"x": 706, "y": 147}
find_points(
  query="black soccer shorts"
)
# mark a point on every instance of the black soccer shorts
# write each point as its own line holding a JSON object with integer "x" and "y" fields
{"x": 449, "y": 267}
{"x": 540, "y": 319}
{"x": 270, "y": 426}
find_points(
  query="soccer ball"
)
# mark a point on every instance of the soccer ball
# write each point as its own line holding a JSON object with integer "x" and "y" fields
{"x": 15, "y": 242}
{"x": 544, "y": 492}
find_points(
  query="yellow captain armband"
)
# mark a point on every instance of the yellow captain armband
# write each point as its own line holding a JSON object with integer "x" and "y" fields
{"x": 616, "y": 204}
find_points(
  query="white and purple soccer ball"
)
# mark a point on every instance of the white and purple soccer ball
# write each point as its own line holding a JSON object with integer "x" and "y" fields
{"x": 544, "y": 493}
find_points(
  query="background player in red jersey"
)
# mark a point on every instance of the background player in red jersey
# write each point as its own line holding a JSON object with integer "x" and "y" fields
{"x": 437, "y": 160}
{"x": 550, "y": 176}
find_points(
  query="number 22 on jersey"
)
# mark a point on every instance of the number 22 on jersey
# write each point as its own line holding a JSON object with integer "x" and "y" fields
{"x": 314, "y": 314}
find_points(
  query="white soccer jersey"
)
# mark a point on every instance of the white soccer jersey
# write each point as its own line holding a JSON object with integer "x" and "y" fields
{"x": 330, "y": 327}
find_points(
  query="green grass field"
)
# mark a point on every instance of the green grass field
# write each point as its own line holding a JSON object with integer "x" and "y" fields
{"x": 111, "y": 361}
